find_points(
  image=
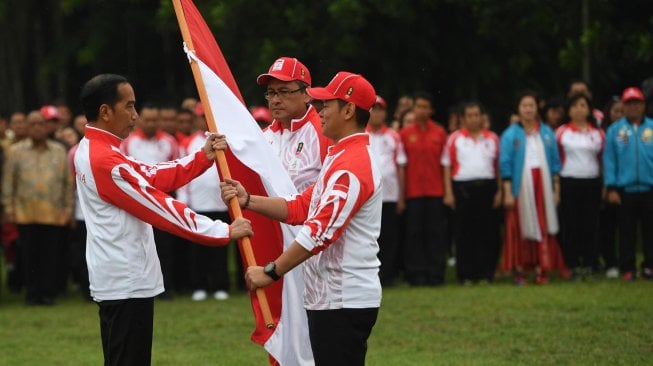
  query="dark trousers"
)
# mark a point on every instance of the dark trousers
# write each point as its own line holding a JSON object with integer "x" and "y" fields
{"x": 209, "y": 264}
{"x": 40, "y": 248}
{"x": 339, "y": 337}
{"x": 388, "y": 242}
{"x": 78, "y": 258}
{"x": 165, "y": 248}
{"x": 635, "y": 207}
{"x": 476, "y": 230}
{"x": 580, "y": 201}
{"x": 126, "y": 330}
{"x": 608, "y": 222}
{"x": 425, "y": 246}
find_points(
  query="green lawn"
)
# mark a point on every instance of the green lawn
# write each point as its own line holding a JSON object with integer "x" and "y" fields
{"x": 602, "y": 322}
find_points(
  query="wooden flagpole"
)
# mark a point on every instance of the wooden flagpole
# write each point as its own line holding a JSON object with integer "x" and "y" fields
{"x": 221, "y": 159}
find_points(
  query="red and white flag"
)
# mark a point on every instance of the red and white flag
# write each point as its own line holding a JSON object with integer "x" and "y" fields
{"x": 252, "y": 161}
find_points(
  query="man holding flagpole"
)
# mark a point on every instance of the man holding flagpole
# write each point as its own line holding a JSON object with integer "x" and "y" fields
{"x": 121, "y": 200}
{"x": 341, "y": 218}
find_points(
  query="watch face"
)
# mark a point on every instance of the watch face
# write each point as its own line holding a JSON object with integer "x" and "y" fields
{"x": 269, "y": 267}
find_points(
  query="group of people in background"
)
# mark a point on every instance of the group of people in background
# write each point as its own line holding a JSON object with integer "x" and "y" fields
{"x": 565, "y": 183}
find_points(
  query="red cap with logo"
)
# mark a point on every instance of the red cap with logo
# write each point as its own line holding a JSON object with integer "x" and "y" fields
{"x": 632, "y": 93}
{"x": 286, "y": 69}
{"x": 262, "y": 114}
{"x": 348, "y": 87}
{"x": 50, "y": 112}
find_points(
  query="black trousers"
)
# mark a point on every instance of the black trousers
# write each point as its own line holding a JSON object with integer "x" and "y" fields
{"x": 608, "y": 223}
{"x": 78, "y": 259}
{"x": 209, "y": 264}
{"x": 41, "y": 257}
{"x": 634, "y": 208}
{"x": 165, "y": 249}
{"x": 476, "y": 230}
{"x": 388, "y": 243}
{"x": 580, "y": 202}
{"x": 126, "y": 329}
{"x": 425, "y": 246}
{"x": 339, "y": 337}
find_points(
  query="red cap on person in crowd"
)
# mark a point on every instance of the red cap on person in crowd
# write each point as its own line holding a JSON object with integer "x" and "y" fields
{"x": 50, "y": 112}
{"x": 286, "y": 69}
{"x": 262, "y": 114}
{"x": 348, "y": 87}
{"x": 632, "y": 93}
{"x": 380, "y": 101}
{"x": 199, "y": 110}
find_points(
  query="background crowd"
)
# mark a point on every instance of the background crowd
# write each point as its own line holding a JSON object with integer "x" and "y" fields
{"x": 548, "y": 194}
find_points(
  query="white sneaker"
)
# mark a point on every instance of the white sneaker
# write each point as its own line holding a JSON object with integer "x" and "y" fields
{"x": 221, "y": 295}
{"x": 199, "y": 295}
{"x": 612, "y": 272}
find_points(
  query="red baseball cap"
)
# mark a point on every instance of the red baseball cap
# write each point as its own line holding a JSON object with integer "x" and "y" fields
{"x": 380, "y": 101}
{"x": 50, "y": 112}
{"x": 262, "y": 114}
{"x": 286, "y": 69}
{"x": 632, "y": 93}
{"x": 348, "y": 87}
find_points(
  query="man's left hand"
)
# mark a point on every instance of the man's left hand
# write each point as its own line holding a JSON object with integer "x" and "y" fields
{"x": 255, "y": 278}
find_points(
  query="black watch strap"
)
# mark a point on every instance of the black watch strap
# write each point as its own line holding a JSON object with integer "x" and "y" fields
{"x": 270, "y": 269}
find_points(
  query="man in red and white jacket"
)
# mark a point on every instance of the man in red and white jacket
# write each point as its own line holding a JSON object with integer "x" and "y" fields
{"x": 121, "y": 199}
{"x": 472, "y": 191}
{"x": 341, "y": 218}
{"x": 390, "y": 157}
{"x": 295, "y": 133}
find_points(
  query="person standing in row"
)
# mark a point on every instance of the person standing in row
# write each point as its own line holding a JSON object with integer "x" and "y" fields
{"x": 628, "y": 177}
{"x": 471, "y": 190}
{"x": 390, "y": 157}
{"x": 37, "y": 197}
{"x": 341, "y": 218}
{"x": 425, "y": 244}
{"x": 581, "y": 144}
{"x": 121, "y": 199}
{"x": 529, "y": 163}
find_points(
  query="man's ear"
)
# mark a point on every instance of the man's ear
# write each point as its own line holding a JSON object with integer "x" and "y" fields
{"x": 350, "y": 110}
{"x": 104, "y": 113}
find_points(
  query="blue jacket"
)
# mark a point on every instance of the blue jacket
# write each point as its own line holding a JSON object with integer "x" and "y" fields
{"x": 513, "y": 151}
{"x": 628, "y": 156}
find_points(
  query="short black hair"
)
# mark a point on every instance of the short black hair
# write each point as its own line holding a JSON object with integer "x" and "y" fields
{"x": 101, "y": 89}
{"x": 424, "y": 95}
{"x": 362, "y": 115}
{"x": 527, "y": 93}
{"x": 470, "y": 104}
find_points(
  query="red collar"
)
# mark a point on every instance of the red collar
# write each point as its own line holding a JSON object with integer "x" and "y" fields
{"x": 573, "y": 127}
{"x": 94, "y": 133}
{"x": 351, "y": 140}
{"x": 296, "y": 124}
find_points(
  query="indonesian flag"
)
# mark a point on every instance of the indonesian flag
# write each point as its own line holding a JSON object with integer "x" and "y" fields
{"x": 252, "y": 161}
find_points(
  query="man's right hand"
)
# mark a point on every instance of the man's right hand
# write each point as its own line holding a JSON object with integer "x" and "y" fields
{"x": 241, "y": 227}
{"x": 614, "y": 197}
{"x": 449, "y": 201}
{"x": 232, "y": 188}
{"x": 508, "y": 200}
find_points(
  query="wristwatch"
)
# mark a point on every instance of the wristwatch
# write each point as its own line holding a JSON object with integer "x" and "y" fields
{"x": 270, "y": 269}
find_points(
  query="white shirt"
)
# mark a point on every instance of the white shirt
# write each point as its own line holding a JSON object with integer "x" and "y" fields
{"x": 202, "y": 194}
{"x": 389, "y": 154}
{"x": 531, "y": 156}
{"x": 341, "y": 217}
{"x": 469, "y": 158}
{"x": 120, "y": 197}
{"x": 580, "y": 151}
{"x": 301, "y": 148}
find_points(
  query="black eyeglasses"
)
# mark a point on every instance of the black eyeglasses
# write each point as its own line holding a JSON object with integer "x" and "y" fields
{"x": 283, "y": 94}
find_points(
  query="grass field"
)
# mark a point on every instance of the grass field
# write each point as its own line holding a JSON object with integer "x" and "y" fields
{"x": 597, "y": 323}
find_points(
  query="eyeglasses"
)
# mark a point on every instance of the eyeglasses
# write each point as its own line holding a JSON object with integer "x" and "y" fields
{"x": 283, "y": 94}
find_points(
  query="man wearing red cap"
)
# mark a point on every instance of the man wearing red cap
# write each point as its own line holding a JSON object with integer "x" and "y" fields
{"x": 341, "y": 218}
{"x": 295, "y": 133}
{"x": 628, "y": 176}
{"x": 262, "y": 116}
{"x": 390, "y": 158}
